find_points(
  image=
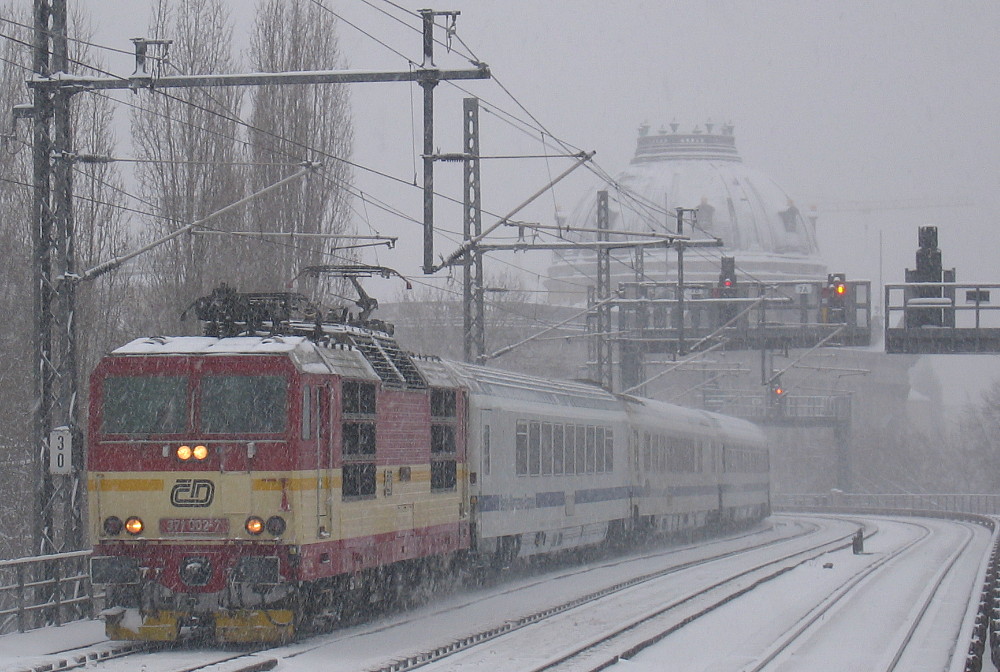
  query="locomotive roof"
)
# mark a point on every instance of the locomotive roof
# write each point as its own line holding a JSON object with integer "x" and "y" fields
{"x": 206, "y": 345}
{"x": 306, "y": 355}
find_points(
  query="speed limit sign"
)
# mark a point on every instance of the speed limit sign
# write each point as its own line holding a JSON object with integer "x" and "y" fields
{"x": 61, "y": 451}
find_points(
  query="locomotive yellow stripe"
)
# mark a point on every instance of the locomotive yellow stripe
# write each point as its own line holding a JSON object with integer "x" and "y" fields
{"x": 277, "y": 484}
{"x": 126, "y": 484}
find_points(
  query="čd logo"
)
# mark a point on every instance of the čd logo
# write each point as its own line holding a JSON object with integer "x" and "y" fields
{"x": 192, "y": 492}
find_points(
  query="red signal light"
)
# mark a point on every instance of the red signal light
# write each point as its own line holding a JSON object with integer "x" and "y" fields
{"x": 727, "y": 283}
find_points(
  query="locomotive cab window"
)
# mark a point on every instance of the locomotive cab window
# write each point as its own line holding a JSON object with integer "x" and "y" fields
{"x": 145, "y": 405}
{"x": 243, "y": 404}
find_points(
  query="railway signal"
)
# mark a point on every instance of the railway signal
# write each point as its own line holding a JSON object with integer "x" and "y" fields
{"x": 775, "y": 394}
{"x": 727, "y": 290}
{"x": 835, "y": 298}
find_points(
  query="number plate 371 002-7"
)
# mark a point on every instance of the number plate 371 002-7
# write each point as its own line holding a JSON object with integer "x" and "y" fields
{"x": 202, "y": 526}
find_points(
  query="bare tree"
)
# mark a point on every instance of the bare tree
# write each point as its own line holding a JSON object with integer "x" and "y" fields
{"x": 190, "y": 139}
{"x": 977, "y": 443}
{"x": 296, "y": 123}
{"x": 103, "y": 306}
{"x": 15, "y": 291}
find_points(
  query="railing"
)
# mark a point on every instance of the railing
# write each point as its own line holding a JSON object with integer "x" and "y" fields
{"x": 941, "y": 317}
{"x": 987, "y": 505}
{"x": 45, "y": 590}
{"x": 752, "y": 405}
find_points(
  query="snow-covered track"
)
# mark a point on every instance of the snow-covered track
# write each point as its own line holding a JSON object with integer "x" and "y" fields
{"x": 474, "y": 648}
{"x": 899, "y": 637}
{"x": 81, "y": 657}
{"x": 172, "y": 658}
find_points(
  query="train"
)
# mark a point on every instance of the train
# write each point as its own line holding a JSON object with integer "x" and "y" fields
{"x": 284, "y": 468}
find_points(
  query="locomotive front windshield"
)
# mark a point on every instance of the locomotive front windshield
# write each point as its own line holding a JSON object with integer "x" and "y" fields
{"x": 145, "y": 405}
{"x": 243, "y": 404}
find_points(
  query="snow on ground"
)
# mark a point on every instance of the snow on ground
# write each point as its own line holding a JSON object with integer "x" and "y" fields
{"x": 747, "y": 625}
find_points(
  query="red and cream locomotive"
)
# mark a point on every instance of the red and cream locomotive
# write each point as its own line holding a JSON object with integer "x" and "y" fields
{"x": 245, "y": 482}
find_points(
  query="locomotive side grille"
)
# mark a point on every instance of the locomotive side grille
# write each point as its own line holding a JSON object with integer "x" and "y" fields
{"x": 402, "y": 362}
{"x": 391, "y": 364}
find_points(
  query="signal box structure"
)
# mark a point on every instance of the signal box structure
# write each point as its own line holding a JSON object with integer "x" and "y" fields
{"x": 931, "y": 313}
{"x": 781, "y": 315}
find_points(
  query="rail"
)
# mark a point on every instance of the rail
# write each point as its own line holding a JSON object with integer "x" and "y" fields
{"x": 982, "y": 626}
{"x": 45, "y": 590}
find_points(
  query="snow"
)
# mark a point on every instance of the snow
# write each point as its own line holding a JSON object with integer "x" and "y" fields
{"x": 158, "y": 345}
{"x": 847, "y": 636}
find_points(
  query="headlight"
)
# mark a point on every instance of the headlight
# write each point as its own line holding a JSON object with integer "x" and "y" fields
{"x": 255, "y": 525}
{"x": 276, "y": 525}
{"x": 134, "y": 525}
{"x": 184, "y": 453}
{"x": 113, "y": 526}
{"x": 200, "y": 452}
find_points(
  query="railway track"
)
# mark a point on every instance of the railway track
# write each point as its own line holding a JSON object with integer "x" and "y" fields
{"x": 107, "y": 655}
{"x": 897, "y": 648}
{"x": 605, "y": 645}
{"x": 630, "y": 638}
{"x": 451, "y": 654}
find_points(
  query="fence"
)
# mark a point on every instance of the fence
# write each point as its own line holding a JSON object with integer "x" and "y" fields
{"x": 45, "y": 590}
{"x": 987, "y": 505}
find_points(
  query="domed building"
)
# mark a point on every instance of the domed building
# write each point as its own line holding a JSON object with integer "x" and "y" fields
{"x": 755, "y": 219}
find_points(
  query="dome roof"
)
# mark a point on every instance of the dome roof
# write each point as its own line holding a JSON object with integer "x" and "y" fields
{"x": 757, "y": 222}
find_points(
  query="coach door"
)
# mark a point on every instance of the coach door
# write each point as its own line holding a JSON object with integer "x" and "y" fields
{"x": 479, "y": 453}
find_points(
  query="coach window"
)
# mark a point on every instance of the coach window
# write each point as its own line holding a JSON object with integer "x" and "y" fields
{"x": 534, "y": 445}
{"x": 546, "y": 449}
{"x": 486, "y": 450}
{"x": 609, "y": 451}
{"x": 581, "y": 449}
{"x": 647, "y": 452}
{"x": 521, "y": 449}
{"x": 570, "y": 444}
{"x": 591, "y": 448}
{"x": 557, "y": 449}
{"x": 599, "y": 451}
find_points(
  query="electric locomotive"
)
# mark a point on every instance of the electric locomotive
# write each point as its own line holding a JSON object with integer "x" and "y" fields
{"x": 282, "y": 468}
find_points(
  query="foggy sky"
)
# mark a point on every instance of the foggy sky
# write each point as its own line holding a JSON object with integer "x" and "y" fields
{"x": 891, "y": 102}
